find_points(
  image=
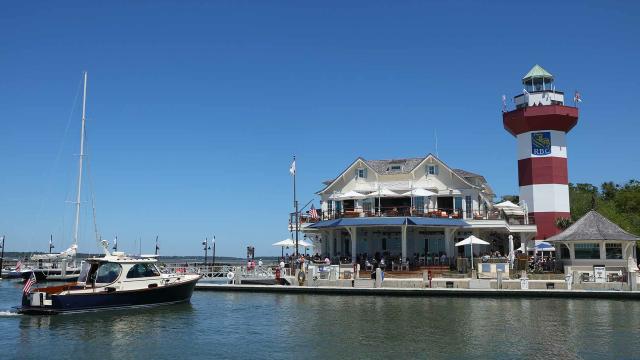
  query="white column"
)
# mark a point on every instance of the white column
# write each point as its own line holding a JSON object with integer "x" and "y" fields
{"x": 464, "y": 207}
{"x": 326, "y": 238}
{"x": 404, "y": 242}
{"x": 448, "y": 241}
{"x": 572, "y": 251}
{"x": 603, "y": 252}
{"x": 354, "y": 243}
{"x": 332, "y": 235}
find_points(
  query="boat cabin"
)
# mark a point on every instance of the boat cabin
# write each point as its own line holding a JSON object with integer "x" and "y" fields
{"x": 124, "y": 271}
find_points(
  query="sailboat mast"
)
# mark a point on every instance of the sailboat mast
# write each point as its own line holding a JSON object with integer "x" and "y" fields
{"x": 84, "y": 108}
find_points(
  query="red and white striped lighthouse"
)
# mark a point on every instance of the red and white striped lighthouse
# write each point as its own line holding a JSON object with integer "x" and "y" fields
{"x": 540, "y": 123}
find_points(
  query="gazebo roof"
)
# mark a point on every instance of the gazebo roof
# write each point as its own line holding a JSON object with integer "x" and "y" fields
{"x": 537, "y": 71}
{"x": 593, "y": 226}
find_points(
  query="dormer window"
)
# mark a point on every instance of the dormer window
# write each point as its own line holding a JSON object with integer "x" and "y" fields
{"x": 396, "y": 167}
{"x": 432, "y": 169}
{"x": 361, "y": 173}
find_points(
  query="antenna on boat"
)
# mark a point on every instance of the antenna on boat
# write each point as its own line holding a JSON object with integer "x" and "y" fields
{"x": 84, "y": 108}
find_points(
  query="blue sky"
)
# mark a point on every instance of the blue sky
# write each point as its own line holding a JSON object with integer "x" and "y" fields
{"x": 194, "y": 111}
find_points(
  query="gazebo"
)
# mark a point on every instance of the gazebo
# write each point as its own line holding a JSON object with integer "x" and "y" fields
{"x": 597, "y": 249}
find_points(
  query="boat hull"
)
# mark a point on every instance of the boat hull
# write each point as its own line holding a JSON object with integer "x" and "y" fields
{"x": 101, "y": 300}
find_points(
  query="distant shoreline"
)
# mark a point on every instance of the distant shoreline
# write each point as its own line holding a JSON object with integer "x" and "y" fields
{"x": 16, "y": 255}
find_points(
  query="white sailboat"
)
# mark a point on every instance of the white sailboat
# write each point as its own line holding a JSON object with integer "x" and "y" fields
{"x": 62, "y": 266}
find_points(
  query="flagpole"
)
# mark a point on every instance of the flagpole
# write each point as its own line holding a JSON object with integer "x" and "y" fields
{"x": 295, "y": 202}
{"x": 1, "y": 254}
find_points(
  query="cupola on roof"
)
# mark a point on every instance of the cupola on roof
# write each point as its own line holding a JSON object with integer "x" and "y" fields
{"x": 537, "y": 72}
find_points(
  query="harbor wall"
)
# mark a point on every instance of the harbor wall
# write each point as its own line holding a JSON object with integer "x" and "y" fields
{"x": 424, "y": 292}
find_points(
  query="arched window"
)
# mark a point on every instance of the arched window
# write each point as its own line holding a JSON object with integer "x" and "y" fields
{"x": 108, "y": 273}
{"x": 142, "y": 270}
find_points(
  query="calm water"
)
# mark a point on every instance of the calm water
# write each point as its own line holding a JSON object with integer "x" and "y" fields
{"x": 260, "y": 326}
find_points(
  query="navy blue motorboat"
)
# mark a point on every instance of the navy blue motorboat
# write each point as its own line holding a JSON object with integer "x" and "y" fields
{"x": 112, "y": 282}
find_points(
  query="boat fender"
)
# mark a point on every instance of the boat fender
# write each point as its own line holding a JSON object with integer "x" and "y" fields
{"x": 301, "y": 277}
{"x": 230, "y": 275}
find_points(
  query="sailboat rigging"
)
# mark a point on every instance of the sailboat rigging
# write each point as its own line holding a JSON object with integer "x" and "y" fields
{"x": 62, "y": 266}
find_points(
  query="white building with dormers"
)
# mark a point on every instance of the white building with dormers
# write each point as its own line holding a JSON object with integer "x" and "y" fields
{"x": 410, "y": 208}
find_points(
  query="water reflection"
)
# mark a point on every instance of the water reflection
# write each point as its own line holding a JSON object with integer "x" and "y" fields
{"x": 242, "y": 325}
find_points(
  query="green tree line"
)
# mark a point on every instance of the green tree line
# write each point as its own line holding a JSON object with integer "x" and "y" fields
{"x": 618, "y": 203}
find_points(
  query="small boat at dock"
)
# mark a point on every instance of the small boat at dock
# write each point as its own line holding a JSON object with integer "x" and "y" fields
{"x": 114, "y": 281}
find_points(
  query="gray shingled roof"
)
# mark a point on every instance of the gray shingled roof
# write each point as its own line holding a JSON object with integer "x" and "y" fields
{"x": 593, "y": 226}
{"x": 466, "y": 174}
{"x": 383, "y": 167}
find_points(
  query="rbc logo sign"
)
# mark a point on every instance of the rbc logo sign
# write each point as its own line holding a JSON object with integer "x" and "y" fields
{"x": 541, "y": 143}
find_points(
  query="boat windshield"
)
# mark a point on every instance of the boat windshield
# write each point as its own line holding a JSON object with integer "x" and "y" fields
{"x": 142, "y": 270}
{"x": 84, "y": 272}
{"x": 108, "y": 273}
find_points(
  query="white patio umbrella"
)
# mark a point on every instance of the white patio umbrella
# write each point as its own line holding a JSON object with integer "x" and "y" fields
{"x": 384, "y": 192}
{"x": 351, "y": 195}
{"x": 380, "y": 193}
{"x": 506, "y": 204}
{"x": 470, "y": 241}
{"x": 304, "y": 243}
{"x": 510, "y": 208}
{"x": 419, "y": 192}
{"x": 284, "y": 243}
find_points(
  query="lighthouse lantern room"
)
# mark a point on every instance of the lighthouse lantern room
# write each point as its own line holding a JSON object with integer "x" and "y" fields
{"x": 540, "y": 123}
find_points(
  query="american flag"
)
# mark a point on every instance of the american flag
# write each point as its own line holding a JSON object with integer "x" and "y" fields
{"x": 18, "y": 265}
{"x": 577, "y": 97}
{"x": 313, "y": 213}
{"x": 29, "y": 284}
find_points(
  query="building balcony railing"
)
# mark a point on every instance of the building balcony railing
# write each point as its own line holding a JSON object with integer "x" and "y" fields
{"x": 401, "y": 211}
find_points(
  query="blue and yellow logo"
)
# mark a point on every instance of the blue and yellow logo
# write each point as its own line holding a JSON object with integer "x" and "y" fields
{"x": 541, "y": 143}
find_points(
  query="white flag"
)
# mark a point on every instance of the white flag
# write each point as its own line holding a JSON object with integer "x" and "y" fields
{"x": 292, "y": 169}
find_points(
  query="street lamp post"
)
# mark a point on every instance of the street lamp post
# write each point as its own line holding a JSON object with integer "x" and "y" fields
{"x": 213, "y": 263}
{"x": 205, "y": 243}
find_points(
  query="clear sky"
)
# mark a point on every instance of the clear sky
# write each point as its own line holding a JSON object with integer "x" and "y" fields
{"x": 194, "y": 111}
